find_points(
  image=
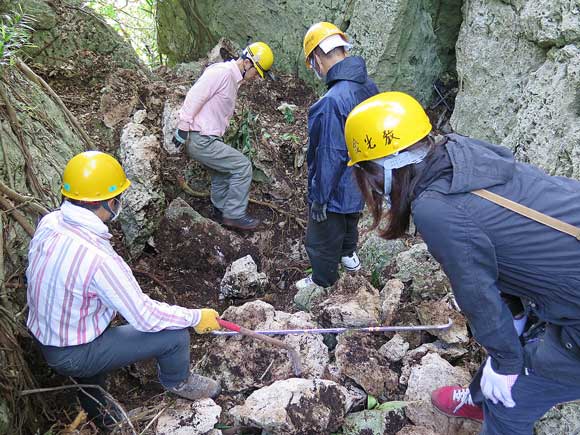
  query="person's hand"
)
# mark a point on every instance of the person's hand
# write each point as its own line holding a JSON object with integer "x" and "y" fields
{"x": 208, "y": 321}
{"x": 318, "y": 212}
{"x": 180, "y": 138}
{"x": 496, "y": 387}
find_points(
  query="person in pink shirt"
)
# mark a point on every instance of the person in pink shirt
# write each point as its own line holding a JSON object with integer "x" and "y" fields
{"x": 77, "y": 284}
{"x": 203, "y": 119}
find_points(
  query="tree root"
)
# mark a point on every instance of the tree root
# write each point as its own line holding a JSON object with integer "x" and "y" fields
{"x": 155, "y": 279}
{"x": 15, "y": 125}
{"x": 28, "y": 201}
{"x": 18, "y": 216}
{"x": 186, "y": 188}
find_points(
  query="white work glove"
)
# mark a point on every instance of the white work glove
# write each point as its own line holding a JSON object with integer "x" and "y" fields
{"x": 496, "y": 387}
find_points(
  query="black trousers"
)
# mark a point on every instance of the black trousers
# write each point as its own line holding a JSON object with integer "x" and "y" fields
{"x": 327, "y": 241}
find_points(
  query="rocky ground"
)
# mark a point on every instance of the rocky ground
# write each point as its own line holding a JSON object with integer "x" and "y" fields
{"x": 354, "y": 383}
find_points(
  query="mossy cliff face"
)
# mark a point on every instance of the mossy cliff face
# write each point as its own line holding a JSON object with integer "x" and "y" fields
{"x": 397, "y": 38}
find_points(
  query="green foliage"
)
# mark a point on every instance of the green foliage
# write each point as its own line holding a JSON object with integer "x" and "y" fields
{"x": 290, "y": 137}
{"x": 135, "y": 20}
{"x": 376, "y": 279}
{"x": 373, "y": 403}
{"x": 289, "y": 115}
{"x": 241, "y": 133}
{"x": 15, "y": 32}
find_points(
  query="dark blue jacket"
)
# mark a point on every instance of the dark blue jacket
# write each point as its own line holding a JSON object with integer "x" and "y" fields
{"x": 484, "y": 248}
{"x": 330, "y": 181}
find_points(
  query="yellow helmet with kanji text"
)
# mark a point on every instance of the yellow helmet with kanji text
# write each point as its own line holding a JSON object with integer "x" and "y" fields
{"x": 261, "y": 56}
{"x": 383, "y": 125}
{"x": 93, "y": 176}
{"x": 316, "y": 34}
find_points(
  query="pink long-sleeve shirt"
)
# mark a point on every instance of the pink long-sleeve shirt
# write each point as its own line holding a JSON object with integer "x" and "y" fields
{"x": 77, "y": 283}
{"x": 210, "y": 102}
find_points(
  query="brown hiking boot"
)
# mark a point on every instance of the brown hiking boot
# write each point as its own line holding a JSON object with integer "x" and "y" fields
{"x": 245, "y": 223}
{"x": 197, "y": 387}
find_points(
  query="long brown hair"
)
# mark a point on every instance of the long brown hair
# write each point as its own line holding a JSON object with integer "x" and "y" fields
{"x": 370, "y": 179}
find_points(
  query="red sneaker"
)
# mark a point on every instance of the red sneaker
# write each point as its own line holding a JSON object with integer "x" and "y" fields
{"x": 456, "y": 402}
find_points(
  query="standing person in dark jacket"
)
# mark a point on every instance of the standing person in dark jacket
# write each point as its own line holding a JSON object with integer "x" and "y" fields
{"x": 335, "y": 206}
{"x": 486, "y": 250}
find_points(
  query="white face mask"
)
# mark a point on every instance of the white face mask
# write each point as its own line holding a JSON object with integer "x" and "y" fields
{"x": 118, "y": 211}
{"x": 313, "y": 66}
{"x": 114, "y": 214}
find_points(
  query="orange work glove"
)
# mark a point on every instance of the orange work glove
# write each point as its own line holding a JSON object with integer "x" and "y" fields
{"x": 208, "y": 321}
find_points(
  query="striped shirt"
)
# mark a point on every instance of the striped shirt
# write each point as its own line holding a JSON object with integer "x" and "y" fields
{"x": 77, "y": 283}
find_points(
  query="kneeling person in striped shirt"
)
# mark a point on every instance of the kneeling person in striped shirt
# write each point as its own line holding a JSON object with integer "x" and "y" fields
{"x": 77, "y": 283}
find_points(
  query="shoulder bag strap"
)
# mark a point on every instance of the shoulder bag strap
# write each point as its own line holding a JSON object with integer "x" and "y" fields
{"x": 551, "y": 222}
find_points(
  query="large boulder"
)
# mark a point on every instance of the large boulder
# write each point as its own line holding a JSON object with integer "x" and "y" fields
{"x": 35, "y": 147}
{"x": 518, "y": 65}
{"x": 144, "y": 201}
{"x": 75, "y": 39}
{"x": 373, "y": 422}
{"x": 295, "y": 406}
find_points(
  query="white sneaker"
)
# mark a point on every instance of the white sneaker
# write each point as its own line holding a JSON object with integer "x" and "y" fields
{"x": 352, "y": 263}
{"x": 306, "y": 283}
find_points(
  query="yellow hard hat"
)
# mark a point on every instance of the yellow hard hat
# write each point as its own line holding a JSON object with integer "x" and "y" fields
{"x": 316, "y": 34}
{"x": 261, "y": 56}
{"x": 93, "y": 176}
{"x": 383, "y": 125}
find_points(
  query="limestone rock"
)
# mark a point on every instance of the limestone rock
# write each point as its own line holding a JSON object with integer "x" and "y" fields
{"x": 189, "y": 418}
{"x": 560, "y": 420}
{"x": 242, "y": 279}
{"x": 390, "y": 299}
{"x": 394, "y": 350}
{"x": 170, "y": 118}
{"x": 418, "y": 267}
{"x": 295, "y": 406}
{"x": 352, "y": 302}
{"x": 434, "y": 372}
{"x": 416, "y": 430}
{"x": 494, "y": 63}
{"x": 437, "y": 313}
{"x": 358, "y": 359}
{"x": 252, "y": 363}
{"x": 373, "y": 422}
{"x": 376, "y": 253}
{"x": 144, "y": 200}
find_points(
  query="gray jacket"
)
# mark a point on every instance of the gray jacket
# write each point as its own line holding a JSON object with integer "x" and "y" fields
{"x": 484, "y": 248}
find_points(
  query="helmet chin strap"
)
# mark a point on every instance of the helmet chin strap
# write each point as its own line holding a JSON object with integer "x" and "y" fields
{"x": 396, "y": 161}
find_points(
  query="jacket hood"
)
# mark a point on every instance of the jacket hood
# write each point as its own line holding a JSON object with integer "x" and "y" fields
{"x": 478, "y": 164}
{"x": 463, "y": 164}
{"x": 351, "y": 68}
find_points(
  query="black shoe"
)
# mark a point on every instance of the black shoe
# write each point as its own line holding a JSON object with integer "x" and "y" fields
{"x": 245, "y": 223}
{"x": 217, "y": 216}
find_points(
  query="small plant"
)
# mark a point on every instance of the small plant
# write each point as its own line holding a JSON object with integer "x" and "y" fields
{"x": 289, "y": 115}
{"x": 290, "y": 137}
{"x": 15, "y": 33}
{"x": 373, "y": 403}
{"x": 241, "y": 137}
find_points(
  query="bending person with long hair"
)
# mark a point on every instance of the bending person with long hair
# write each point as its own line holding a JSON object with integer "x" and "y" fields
{"x": 490, "y": 253}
